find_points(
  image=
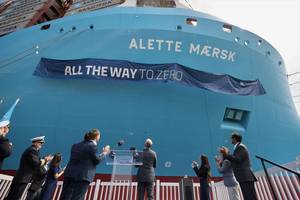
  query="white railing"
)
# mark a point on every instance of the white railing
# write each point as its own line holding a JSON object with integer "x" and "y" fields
{"x": 167, "y": 190}
{"x": 286, "y": 186}
{"x": 119, "y": 190}
{"x": 5, "y": 182}
{"x": 220, "y": 192}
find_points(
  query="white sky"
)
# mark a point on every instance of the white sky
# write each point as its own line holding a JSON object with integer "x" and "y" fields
{"x": 277, "y": 21}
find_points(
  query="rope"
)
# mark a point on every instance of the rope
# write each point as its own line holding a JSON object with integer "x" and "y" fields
{"x": 34, "y": 50}
{"x": 291, "y": 74}
{"x": 189, "y": 4}
{"x": 294, "y": 83}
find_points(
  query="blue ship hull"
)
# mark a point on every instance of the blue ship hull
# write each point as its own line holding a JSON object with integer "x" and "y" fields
{"x": 182, "y": 121}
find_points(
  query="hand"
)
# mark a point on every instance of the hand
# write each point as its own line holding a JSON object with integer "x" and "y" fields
{"x": 48, "y": 158}
{"x": 10, "y": 144}
{"x": 224, "y": 150}
{"x": 106, "y": 150}
{"x": 217, "y": 159}
{"x": 194, "y": 164}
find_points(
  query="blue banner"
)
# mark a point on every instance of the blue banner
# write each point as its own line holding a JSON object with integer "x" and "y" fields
{"x": 102, "y": 69}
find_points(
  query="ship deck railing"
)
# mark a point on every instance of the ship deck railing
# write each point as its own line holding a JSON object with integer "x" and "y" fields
{"x": 279, "y": 181}
{"x": 286, "y": 186}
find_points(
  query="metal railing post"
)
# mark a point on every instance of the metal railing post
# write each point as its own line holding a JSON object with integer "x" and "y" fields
{"x": 263, "y": 160}
{"x": 268, "y": 178}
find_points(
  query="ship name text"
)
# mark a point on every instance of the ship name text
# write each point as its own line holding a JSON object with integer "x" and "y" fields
{"x": 178, "y": 47}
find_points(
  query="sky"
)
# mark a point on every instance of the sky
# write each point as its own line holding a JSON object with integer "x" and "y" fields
{"x": 277, "y": 21}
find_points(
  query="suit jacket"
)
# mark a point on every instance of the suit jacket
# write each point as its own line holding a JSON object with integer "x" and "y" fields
{"x": 30, "y": 162}
{"x": 5, "y": 149}
{"x": 88, "y": 161}
{"x": 146, "y": 170}
{"x": 226, "y": 170}
{"x": 241, "y": 164}
{"x": 73, "y": 165}
{"x": 83, "y": 161}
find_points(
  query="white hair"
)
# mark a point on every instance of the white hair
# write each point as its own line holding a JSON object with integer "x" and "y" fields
{"x": 148, "y": 142}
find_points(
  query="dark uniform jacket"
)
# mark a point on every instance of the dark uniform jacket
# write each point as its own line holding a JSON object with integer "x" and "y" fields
{"x": 241, "y": 164}
{"x": 146, "y": 170}
{"x": 30, "y": 162}
{"x": 38, "y": 178}
{"x": 5, "y": 149}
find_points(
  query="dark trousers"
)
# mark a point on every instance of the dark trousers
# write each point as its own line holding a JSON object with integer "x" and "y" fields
{"x": 67, "y": 190}
{"x": 80, "y": 188}
{"x": 33, "y": 194}
{"x": 1, "y": 163}
{"x": 204, "y": 190}
{"x": 142, "y": 186}
{"x": 248, "y": 190}
{"x": 16, "y": 191}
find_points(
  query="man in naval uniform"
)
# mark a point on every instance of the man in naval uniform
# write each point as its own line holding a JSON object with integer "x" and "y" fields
{"x": 146, "y": 174}
{"x": 29, "y": 163}
{"x": 241, "y": 166}
{"x": 5, "y": 145}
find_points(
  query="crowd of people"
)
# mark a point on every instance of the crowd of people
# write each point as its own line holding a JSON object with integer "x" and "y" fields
{"x": 43, "y": 173}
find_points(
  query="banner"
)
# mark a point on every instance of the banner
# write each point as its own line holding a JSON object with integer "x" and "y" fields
{"x": 102, "y": 69}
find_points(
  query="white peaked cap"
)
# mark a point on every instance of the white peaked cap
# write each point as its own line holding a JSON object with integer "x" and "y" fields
{"x": 38, "y": 139}
{"x": 4, "y": 123}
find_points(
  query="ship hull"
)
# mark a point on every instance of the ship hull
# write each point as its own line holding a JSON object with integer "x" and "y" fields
{"x": 182, "y": 121}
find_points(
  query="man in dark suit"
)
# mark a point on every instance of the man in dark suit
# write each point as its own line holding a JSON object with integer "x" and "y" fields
{"x": 81, "y": 168}
{"x": 5, "y": 145}
{"x": 146, "y": 174}
{"x": 71, "y": 171}
{"x": 241, "y": 166}
{"x": 30, "y": 162}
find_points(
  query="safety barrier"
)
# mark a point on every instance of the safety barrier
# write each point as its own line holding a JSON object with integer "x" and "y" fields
{"x": 286, "y": 186}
